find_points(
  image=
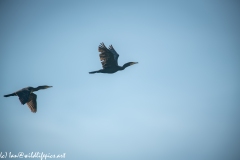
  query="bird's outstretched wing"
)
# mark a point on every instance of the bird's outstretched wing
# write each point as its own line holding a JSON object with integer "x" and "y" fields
{"x": 32, "y": 102}
{"x": 115, "y": 54}
{"x": 23, "y": 95}
{"x": 106, "y": 56}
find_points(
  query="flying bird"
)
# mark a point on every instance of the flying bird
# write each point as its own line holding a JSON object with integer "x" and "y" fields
{"x": 26, "y": 95}
{"x": 109, "y": 60}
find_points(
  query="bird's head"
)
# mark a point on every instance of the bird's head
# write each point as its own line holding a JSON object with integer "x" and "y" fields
{"x": 42, "y": 87}
{"x": 45, "y": 87}
{"x": 132, "y": 63}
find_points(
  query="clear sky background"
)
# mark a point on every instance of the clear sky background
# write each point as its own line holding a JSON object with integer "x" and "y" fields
{"x": 180, "y": 102}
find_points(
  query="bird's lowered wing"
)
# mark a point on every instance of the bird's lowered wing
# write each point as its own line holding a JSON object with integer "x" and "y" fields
{"x": 32, "y": 102}
{"x": 23, "y": 95}
{"x": 106, "y": 56}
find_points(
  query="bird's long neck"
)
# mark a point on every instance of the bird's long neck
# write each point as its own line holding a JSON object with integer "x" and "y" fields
{"x": 34, "y": 89}
{"x": 120, "y": 68}
{"x": 40, "y": 87}
{"x": 37, "y": 88}
{"x": 126, "y": 65}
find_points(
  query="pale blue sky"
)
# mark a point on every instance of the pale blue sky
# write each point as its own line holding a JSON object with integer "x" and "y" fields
{"x": 181, "y": 102}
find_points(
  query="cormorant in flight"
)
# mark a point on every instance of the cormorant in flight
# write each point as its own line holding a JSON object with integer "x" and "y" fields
{"x": 109, "y": 60}
{"x": 26, "y": 95}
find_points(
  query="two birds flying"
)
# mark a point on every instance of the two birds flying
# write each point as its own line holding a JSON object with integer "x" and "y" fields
{"x": 109, "y": 60}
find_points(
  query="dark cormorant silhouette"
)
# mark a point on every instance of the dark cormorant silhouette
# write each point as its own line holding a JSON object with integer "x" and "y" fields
{"x": 26, "y": 95}
{"x": 109, "y": 60}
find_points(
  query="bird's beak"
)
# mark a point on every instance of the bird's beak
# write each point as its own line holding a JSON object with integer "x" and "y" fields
{"x": 49, "y": 86}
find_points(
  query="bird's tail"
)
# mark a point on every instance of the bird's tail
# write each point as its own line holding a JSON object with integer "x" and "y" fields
{"x": 8, "y": 95}
{"x": 94, "y": 72}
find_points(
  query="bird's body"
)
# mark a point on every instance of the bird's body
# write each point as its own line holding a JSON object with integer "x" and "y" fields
{"x": 26, "y": 95}
{"x": 109, "y": 60}
{"x": 108, "y": 70}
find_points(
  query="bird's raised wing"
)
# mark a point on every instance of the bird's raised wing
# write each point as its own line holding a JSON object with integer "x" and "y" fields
{"x": 115, "y": 54}
{"x": 32, "y": 102}
{"x": 106, "y": 56}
